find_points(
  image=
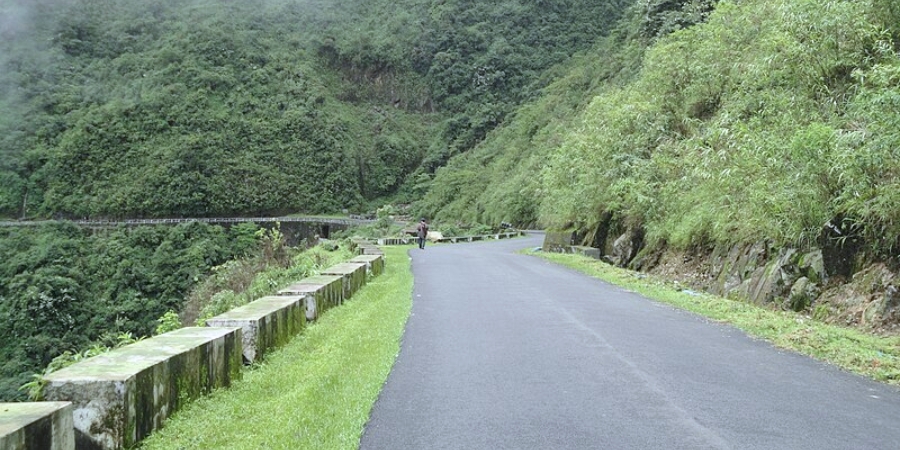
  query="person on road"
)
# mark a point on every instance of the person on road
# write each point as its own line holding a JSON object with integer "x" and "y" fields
{"x": 422, "y": 233}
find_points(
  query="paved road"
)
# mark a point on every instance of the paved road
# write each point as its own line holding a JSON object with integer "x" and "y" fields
{"x": 507, "y": 351}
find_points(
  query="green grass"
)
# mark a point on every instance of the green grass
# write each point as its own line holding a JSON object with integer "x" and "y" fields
{"x": 317, "y": 391}
{"x": 876, "y": 357}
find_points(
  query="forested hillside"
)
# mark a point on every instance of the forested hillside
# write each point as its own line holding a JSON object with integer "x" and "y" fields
{"x": 750, "y": 121}
{"x": 65, "y": 288}
{"x": 131, "y": 108}
{"x": 688, "y": 123}
{"x": 124, "y": 108}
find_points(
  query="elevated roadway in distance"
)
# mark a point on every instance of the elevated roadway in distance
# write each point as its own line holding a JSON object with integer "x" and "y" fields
{"x": 221, "y": 220}
{"x": 508, "y": 351}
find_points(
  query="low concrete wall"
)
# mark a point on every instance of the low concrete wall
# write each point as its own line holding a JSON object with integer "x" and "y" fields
{"x": 265, "y": 323}
{"x": 590, "y": 252}
{"x": 354, "y": 276}
{"x": 320, "y": 293}
{"x": 374, "y": 263}
{"x": 36, "y": 426}
{"x": 121, "y": 396}
{"x": 369, "y": 249}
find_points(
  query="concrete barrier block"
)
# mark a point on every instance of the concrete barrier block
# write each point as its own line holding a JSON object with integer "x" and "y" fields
{"x": 266, "y": 323}
{"x": 374, "y": 263}
{"x": 354, "y": 276}
{"x": 590, "y": 252}
{"x": 36, "y": 426}
{"x": 121, "y": 396}
{"x": 395, "y": 241}
{"x": 320, "y": 293}
{"x": 370, "y": 250}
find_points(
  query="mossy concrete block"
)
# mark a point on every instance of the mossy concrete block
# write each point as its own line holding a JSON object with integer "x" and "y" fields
{"x": 320, "y": 293}
{"x": 370, "y": 250}
{"x": 374, "y": 263}
{"x": 266, "y": 323}
{"x": 354, "y": 276}
{"x": 123, "y": 395}
{"x": 558, "y": 241}
{"x": 590, "y": 252}
{"x": 313, "y": 296}
{"x": 36, "y": 426}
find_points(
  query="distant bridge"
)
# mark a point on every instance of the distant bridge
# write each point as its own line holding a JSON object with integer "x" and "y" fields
{"x": 105, "y": 223}
{"x": 295, "y": 229}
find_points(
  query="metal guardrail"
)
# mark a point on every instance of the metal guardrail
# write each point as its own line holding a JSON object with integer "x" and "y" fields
{"x": 135, "y": 222}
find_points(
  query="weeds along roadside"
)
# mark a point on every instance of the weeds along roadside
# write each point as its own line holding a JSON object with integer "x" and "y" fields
{"x": 875, "y": 357}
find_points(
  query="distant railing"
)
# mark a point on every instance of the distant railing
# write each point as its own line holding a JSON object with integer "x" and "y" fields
{"x": 452, "y": 239}
{"x": 134, "y": 222}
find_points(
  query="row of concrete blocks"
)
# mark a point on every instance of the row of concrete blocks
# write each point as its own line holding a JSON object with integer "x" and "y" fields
{"x": 451, "y": 240}
{"x": 115, "y": 400}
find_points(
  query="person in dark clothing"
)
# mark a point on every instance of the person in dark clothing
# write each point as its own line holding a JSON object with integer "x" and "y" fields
{"x": 422, "y": 233}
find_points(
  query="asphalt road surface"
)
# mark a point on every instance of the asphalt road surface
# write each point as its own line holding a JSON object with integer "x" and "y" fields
{"x": 508, "y": 351}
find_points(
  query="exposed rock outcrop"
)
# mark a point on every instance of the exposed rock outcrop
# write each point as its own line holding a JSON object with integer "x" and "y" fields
{"x": 831, "y": 282}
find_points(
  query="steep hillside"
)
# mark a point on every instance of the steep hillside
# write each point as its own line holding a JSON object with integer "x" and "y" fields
{"x": 130, "y": 108}
{"x": 749, "y": 148}
{"x": 126, "y": 108}
{"x": 200, "y": 108}
{"x": 765, "y": 120}
{"x": 500, "y": 180}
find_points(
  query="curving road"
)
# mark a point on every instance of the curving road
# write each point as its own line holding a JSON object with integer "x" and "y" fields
{"x": 507, "y": 351}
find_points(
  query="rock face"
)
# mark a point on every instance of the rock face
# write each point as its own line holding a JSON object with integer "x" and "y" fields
{"x": 757, "y": 272}
{"x": 626, "y": 247}
{"x": 43, "y": 425}
{"x": 831, "y": 282}
{"x": 869, "y": 299}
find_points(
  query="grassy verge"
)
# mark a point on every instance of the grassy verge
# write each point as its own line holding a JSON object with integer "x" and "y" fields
{"x": 872, "y": 356}
{"x": 317, "y": 391}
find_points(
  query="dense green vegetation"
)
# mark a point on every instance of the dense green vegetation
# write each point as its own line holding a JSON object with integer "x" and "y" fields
{"x": 123, "y": 108}
{"x": 75, "y": 292}
{"x": 315, "y": 392}
{"x": 693, "y": 121}
{"x": 128, "y": 108}
{"x": 758, "y": 120}
{"x": 65, "y": 288}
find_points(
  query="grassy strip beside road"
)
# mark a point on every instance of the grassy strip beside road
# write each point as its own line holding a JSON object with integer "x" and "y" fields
{"x": 317, "y": 391}
{"x": 872, "y": 356}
